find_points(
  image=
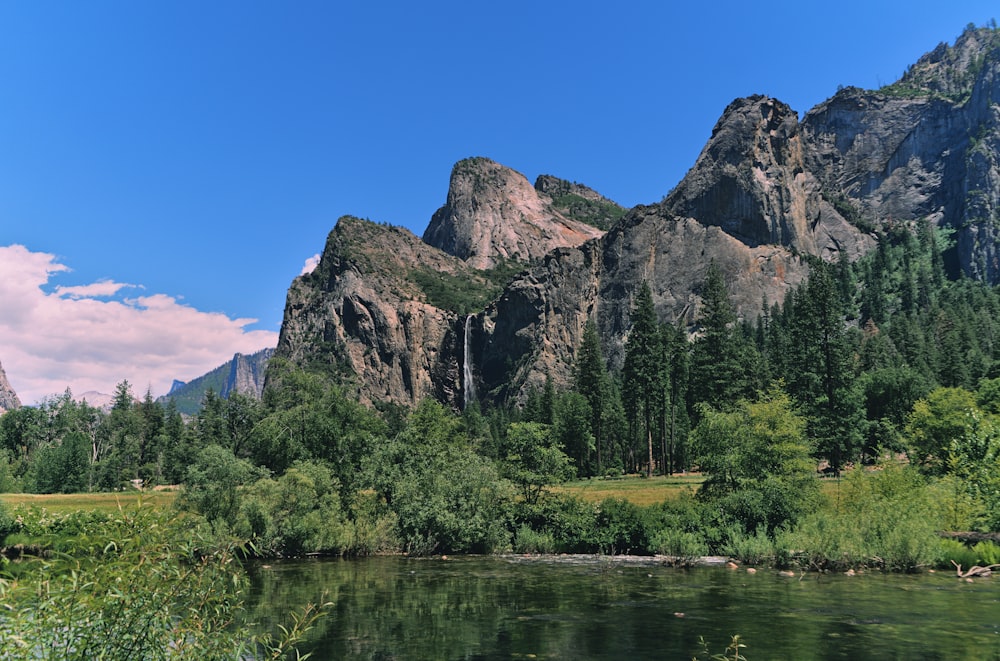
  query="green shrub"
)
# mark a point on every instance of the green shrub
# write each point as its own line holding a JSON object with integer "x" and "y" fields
{"x": 374, "y": 526}
{"x": 987, "y": 552}
{"x": 755, "y": 549}
{"x": 570, "y": 521}
{"x": 886, "y": 519}
{"x": 157, "y": 588}
{"x": 297, "y": 513}
{"x": 954, "y": 551}
{"x": 620, "y": 527}
{"x": 681, "y": 544}
{"x": 527, "y": 540}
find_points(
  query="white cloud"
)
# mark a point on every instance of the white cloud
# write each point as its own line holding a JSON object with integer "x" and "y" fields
{"x": 102, "y": 288}
{"x": 73, "y": 338}
{"x": 310, "y": 264}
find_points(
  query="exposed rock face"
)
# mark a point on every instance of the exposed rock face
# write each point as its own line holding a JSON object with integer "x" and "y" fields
{"x": 8, "y": 398}
{"x": 927, "y": 146}
{"x": 243, "y": 374}
{"x": 493, "y": 214}
{"x": 766, "y": 191}
{"x": 364, "y": 312}
{"x": 246, "y": 374}
{"x": 751, "y": 180}
{"x": 536, "y": 327}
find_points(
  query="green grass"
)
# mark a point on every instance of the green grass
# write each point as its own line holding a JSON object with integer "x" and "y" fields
{"x": 633, "y": 488}
{"x": 104, "y": 502}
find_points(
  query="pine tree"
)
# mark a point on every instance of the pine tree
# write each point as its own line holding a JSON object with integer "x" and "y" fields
{"x": 591, "y": 380}
{"x": 642, "y": 373}
{"x": 720, "y": 357}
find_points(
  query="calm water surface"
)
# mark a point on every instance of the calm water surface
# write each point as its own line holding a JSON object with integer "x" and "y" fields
{"x": 491, "y": 608}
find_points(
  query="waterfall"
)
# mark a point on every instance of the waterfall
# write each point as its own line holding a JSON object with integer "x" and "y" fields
{"x": 468, "y": 385}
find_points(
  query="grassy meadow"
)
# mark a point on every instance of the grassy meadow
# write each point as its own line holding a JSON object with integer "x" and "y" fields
{"x": 104, "y": 502}
{"x": 636, "y": 489}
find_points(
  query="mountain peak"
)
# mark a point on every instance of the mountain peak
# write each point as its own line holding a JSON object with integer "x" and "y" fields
{"x": 950, "y": 71}
{"x": 493, "y": 214}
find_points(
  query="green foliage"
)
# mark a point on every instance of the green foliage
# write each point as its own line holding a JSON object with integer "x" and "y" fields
{"x": 570, "y": 521}
{"x": 532, "y": 459}
{"x": 752, "y": 549}
{"x": 448, "y": 498}
{"x": 987, "y": 553}
{"x": 213, "y": 483}
{"x": 681, "y": 544}
{"x": 757, "y": 461}
{"x": 731, "y": 653}
{"x": 887, "y": 518}
{"x": 620, "y": 527}
{"x": 938, "y": 421}
{"x": 721, "y": 359}
{"x": 153, "y": 587}
{"x": 528, "y": 540}
{"x": 597, "y": 213}
{"x": 954, "y": 551}
{"x": 461, "y": 293}
{"x": 297, "y": 513}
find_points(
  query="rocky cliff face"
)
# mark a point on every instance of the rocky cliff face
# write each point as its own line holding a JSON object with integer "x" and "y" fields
{"x": 380, "y": 310}
{"x": 8, "y": 398}
{"x": 766, "y": 191}
{"x": 494, "y": 214}
{"x": 533, "y": 331}
{"x": 926, "y": 147}
{"x": 246, "y": 374}
{"x": 751, "y": 180}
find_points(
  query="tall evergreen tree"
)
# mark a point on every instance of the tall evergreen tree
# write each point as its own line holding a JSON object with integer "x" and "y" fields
{"x": 642, "y": 373}
{"x": 720, "y": 357}
{"x": 590, "y": 376}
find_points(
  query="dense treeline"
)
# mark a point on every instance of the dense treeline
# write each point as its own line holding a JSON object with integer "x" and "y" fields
{"x": 880, "y": 363}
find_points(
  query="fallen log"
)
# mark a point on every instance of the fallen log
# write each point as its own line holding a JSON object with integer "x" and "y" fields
{"x": 975, "y": 571}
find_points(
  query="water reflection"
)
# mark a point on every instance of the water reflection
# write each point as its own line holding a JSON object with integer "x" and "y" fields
{"x": 490, "y": 608}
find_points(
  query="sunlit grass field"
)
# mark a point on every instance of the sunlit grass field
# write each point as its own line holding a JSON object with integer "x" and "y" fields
{"x": 633, "y": 488}
{"x": 71, "y": 502}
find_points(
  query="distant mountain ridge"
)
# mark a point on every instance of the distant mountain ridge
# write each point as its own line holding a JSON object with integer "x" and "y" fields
{"x": 243, "y": 374}
{"x": 768, "y": 193}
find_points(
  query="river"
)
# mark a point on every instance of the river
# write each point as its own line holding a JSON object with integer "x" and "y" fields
{"x": 488, "y": 608}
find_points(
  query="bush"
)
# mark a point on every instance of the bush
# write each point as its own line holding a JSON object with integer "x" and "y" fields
{"x": 954, "y": 551}
{"x": 682, "y": 545}
{"x": 620, "y": 527}
{"x": 528, "y": 540}
{"x": 886, "y": 519}
{"x": 570, "y": 522}
{"x": 296, "y": 513}
{"x": 988, "y": 553}
{"x": 157, "y": 588}
{"x": 756, "y": 549}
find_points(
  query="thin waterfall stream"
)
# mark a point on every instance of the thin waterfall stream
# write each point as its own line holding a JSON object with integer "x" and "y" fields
{"x": 468, "y": 383}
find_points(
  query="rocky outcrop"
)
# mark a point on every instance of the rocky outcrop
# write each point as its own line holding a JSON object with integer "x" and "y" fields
{"x": 493, "y": 215}
{"x": 8, "y": 398}
{"x": 534, "y": 330}
{"x": 767, "y": 192}
{"x": 246, "y": 374}
{"x": 381, "y": 310}
{"x": 926, "y": 147}
{"x": 751, "y": 181}
{"x": 580, "y": 202}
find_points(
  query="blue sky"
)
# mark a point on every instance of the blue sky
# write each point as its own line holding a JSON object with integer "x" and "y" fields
{"x": 187, "y": 158}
